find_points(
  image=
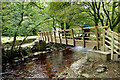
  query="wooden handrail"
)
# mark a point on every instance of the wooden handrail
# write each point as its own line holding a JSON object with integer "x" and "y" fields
{"x": 110, "y": 39}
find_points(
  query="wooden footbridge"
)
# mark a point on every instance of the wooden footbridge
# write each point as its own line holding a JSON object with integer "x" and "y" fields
{"x": 104, "y": 40}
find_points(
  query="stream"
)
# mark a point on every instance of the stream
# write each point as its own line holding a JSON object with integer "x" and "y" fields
{"x": 45, "y": 65}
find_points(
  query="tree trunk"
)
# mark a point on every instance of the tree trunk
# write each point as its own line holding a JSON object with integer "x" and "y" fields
{"x": 54, "y": 24}
{"x": 67, "y": 26}
{"x": 62, "y": 26}
{"x": 14, "y": 42}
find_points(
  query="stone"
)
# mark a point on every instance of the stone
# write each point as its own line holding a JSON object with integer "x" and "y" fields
{"x": 37, "y": 53}
{"x": 85, "y": 75}
{"x": 26, "y": 57}
{"x": 34, "y": 59}
{"x": 95, "y": 48}
{"x": 16, "y": 60}
{"x": 44, "y": 52}
{"x": 101, "y": 68}
{"x": 98, "y": 55}
{"x": 64, "y": 73}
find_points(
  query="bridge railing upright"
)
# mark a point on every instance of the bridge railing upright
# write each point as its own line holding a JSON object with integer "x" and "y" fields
{"x": 95, "y": 34}
{"x": 111, "y": 42}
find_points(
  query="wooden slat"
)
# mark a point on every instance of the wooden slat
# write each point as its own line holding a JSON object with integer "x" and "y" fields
{"x": 77, "y": 33}
{"x": 112, "y": 47}
{"x": 108, "y": 37}
{"x": 108, "y": 46}
{"x": 65, "y": 37}
{"x": 103, "y": 40}
{"x": 116, "y": 46}
{"x": 116, "y": 52}
{"x": 72, "y": 34}
{"x": 116, "y": 42}
{"x": 108, "y": 42}
{"x": 83, "y": 38}
{"x": 96, "y": 30}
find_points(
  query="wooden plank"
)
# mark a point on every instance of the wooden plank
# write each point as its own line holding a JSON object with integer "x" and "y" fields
{"x": 83, "y": 38}
{"x": 116, "y": 52}
{"x": 96, "y": 30}
{"x": 65, "y": 37}
{"x": 108, "y": 37}
{"x": 103, "y": 40}
{"x": 116, "y": 46}
{"x": 47, "y": 36}
{"x": 112, "y": 47}
{"x": 119, "y": 43}
{"x": 38, "y": 35}
{"x": 51, "y": 36}
{"x": 116, "y": 42}
{"x": 42, "y": 37}
{"x": 108, "y": 42}
{"x": 59, "y": 37}
{"x": 107, "y": 46}
{"x": 55, "y": 36}
{"x": 72, "y": 34}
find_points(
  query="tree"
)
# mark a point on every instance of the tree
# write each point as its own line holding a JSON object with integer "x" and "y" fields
{"x": 103, "y": 12}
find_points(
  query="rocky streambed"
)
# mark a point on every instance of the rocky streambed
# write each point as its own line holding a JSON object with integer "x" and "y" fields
{"x": 48, "y": 63}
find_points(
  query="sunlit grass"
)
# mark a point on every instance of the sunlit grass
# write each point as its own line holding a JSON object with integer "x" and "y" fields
{"x": 10, "y": 39}
{"x": 5, "y": 39}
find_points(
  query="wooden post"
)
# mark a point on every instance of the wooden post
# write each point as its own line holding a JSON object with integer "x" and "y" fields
{"x": 50, "y": 36}
{"x": 83, "y": 38}
{"x": 119, "y": 43}
{"x": 65, "y": 37}
{"x": 38, "y": 35}
{"x": 96, "y": 30}
{"x": 45, "y": 35}
{"x": 112, "y": 46}
{"x": 59, "y": 37}
{"x": 79, "y": 34}
{"x": 72, "y": 33}
{"x": 42, "y": 36}
{"x": 103, "y": 40}
{"x": 55, "y": 36}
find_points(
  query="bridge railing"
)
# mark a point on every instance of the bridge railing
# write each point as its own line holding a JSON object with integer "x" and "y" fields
{"x": 74, "y": 35}
{"x": 107, "y": 39}
{"x": 111, "y": 42}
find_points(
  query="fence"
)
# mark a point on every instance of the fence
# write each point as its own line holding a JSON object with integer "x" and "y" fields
{"x": 111, "y": 42}
{"x": 107, "y": 39}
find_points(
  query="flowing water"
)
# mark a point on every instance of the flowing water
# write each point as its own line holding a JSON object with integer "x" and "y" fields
{"x": 45, "y": 65}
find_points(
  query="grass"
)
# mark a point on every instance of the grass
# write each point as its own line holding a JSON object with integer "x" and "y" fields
{"x": 10, "y": 39}
{"x": 5, "y": 39}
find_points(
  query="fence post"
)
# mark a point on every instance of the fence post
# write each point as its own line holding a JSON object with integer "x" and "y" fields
{"x": 59, "y": 37}
{"x": 55, "y": 36}
{"x": 112, "y": 46}
{"x": 45, "y": 35}
{"x": 48, "y": 36}
{"x": 65, "y": 37}
{"x": 119, "y": 43}
{"x": 42, "y": 36}
{"x": 96, "y": 30}
{"x": 103, "y": 40}
{"x": 38, "y": 35}
{"x": 72, "y": 33}
{"x": 83, "y": 38}
{"x": 51, "y": 36}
